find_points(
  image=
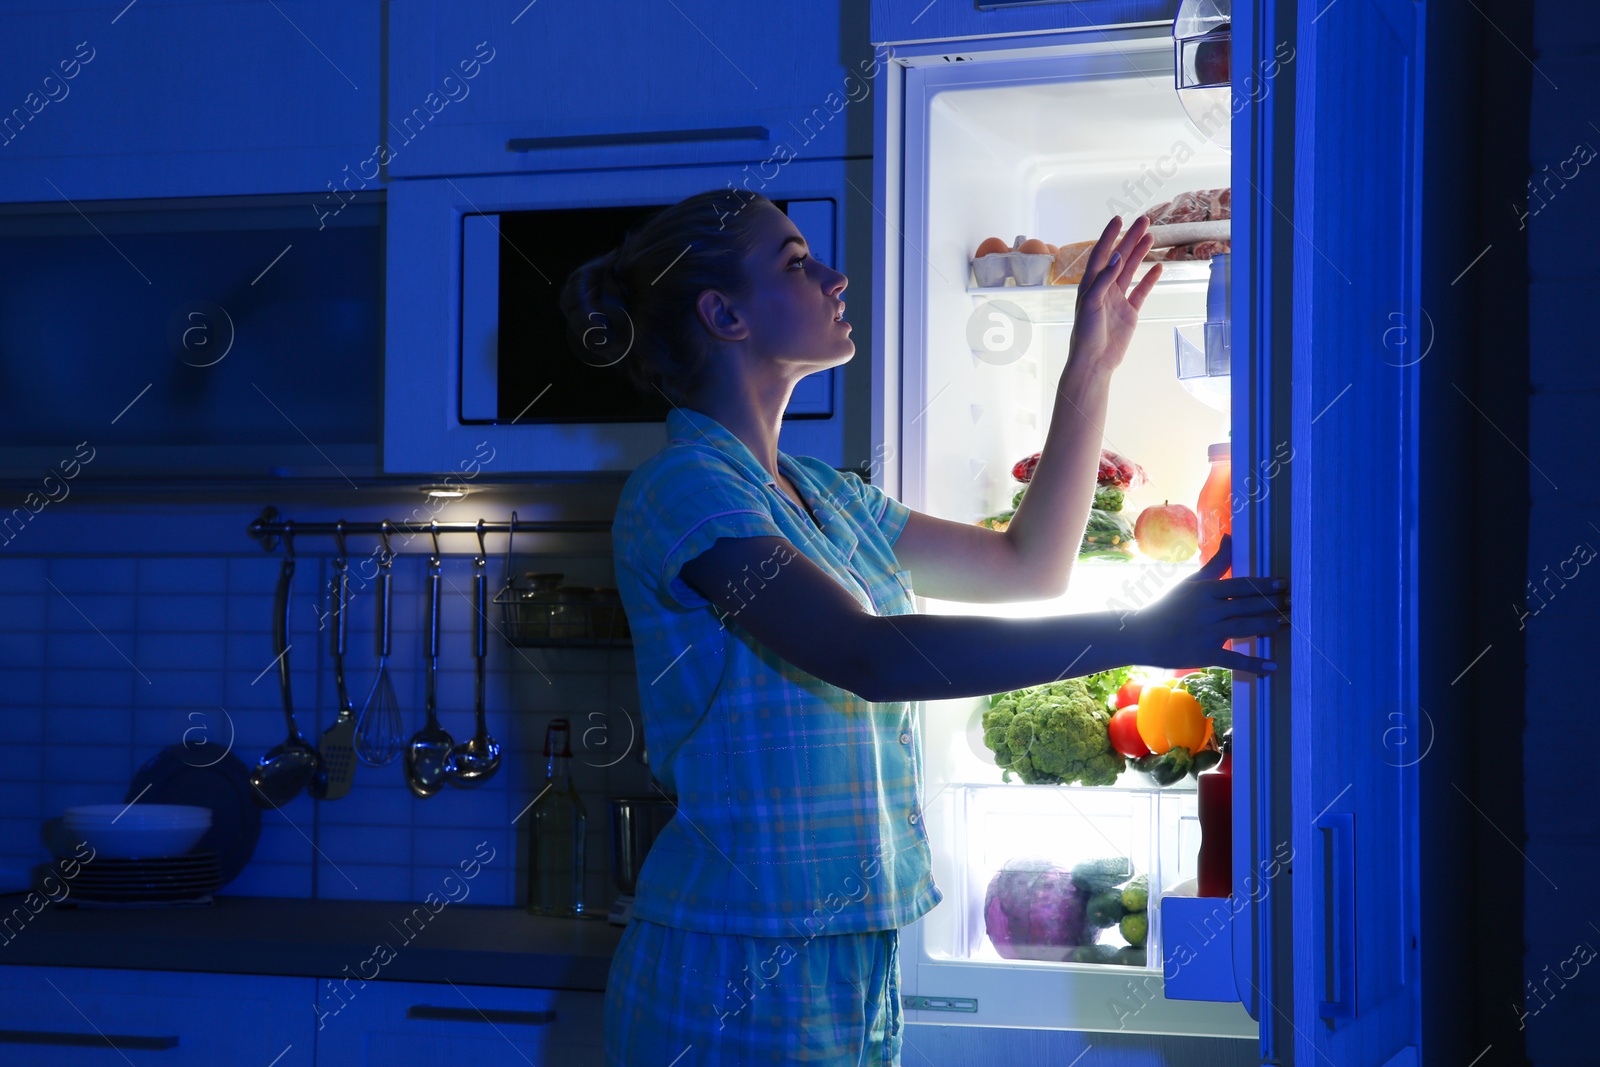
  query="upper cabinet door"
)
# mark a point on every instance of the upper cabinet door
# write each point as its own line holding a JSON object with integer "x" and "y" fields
{"x": 920, "y": 20}
{"x": 161, "y": 98}
{"x": 511, "y": 86}
{"x": 1359, "y": 615}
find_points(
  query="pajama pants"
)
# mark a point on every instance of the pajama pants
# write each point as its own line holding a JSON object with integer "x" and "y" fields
{"x": 678, "y": 998}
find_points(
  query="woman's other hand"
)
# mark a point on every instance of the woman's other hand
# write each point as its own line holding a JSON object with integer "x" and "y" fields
{"x": 1107, "y": 312}
{"x": 1188, "y": 626}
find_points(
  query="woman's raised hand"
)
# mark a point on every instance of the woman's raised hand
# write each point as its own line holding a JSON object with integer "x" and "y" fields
{"x": 1107, "y": 312}
{"x": 1187, "y": 627}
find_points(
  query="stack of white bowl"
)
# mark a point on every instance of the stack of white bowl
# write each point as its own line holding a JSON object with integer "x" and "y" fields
{"x": 138, "y": 831}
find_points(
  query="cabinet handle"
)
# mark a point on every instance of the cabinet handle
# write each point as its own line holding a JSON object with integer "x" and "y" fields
{"x": 61, "y": 1038}
{"x": 601, "y": 140}
{"x": 486, "y": 1015}
{"x": 1337, "y": 976}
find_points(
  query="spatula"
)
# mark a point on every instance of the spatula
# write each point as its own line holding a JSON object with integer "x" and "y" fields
{"x": 337, "y": 744}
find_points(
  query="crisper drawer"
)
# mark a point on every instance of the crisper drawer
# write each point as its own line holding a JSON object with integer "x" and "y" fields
{"x": 64, "y": 1016}
{"x": 393, "y": 1024}
{"x": 1071, "y": 961}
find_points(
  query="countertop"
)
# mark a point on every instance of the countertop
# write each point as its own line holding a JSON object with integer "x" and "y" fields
{"x": 320, "y": 938}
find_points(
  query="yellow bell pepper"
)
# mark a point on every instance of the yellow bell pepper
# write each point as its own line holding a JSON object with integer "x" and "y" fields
{"x": 1185, "y": 720}
{"x": 1151, "y": 721}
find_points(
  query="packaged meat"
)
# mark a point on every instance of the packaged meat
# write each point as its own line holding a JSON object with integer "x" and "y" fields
{"x": 1203, "y": 205}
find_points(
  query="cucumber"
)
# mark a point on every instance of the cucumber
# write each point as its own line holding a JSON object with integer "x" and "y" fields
{"x": 1097, "y": 876}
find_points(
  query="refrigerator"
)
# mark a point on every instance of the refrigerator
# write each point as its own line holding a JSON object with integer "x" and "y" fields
{"x": 1044, "y": 120}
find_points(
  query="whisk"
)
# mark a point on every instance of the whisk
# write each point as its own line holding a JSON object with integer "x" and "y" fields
{"x": 380, "y": 733}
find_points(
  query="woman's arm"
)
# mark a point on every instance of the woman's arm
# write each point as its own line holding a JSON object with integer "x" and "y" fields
{"x": 808, "y": 619}
{"x": 1032, "y": 559}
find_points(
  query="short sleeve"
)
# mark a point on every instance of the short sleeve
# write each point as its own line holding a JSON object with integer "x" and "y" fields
{"x": 684, "y": 502}
{"x": 890, "y": 515}
{"x": 887, "y": 513}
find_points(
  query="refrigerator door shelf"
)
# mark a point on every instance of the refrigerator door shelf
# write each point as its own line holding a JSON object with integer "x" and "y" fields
{"x": 1198, "y": 948}
{"x": 1205, "y": 362}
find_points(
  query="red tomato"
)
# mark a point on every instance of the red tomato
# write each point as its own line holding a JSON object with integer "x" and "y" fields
{"x": 1128, "y": 695}
{"x": 1124, "y": 731}
{"x": 1190, "y": 670}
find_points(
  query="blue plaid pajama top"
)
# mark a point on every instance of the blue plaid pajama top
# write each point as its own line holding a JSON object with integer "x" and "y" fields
{"x": 798, "y": 802}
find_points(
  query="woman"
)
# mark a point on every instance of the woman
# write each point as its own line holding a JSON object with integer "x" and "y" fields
{"x": 779, "y": 655}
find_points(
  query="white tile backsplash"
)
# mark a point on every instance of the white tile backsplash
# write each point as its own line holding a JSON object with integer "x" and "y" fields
{"x": 106, "y": 658}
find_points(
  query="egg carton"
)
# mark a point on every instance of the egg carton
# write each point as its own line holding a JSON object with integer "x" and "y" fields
{"x": 1021, "y": 268}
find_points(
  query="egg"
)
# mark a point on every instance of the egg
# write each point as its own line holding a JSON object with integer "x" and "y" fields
{"x": 1034, "y": 247}
{"x": 990, "y": 246}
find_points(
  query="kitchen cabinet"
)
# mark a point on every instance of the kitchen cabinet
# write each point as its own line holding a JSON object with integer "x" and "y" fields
{"x": 110, "y": 100}
{"x": 63, "y": 1016}
{"x": 230, "y": 337}
{"x": 514, "y": 87}
{"x": 389, "y": 1023}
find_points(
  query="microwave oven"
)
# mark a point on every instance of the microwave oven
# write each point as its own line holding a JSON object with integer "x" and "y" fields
{"x": 477, "y": 350}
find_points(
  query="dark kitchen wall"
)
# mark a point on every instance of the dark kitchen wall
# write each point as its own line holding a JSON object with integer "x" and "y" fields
{"x": 129, "y": 626}
{"x": 1557, "y": 611}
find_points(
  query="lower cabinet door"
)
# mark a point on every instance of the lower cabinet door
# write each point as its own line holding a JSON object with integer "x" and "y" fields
{"x": 66, "y": 1016}
{"x": 397, "y": 1024}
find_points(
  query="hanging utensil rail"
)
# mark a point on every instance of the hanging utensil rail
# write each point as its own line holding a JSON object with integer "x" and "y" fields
{"x": 530, "y": 617}
{"x": 270, "y": 527}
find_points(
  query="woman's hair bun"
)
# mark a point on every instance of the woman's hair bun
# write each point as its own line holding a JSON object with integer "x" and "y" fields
{"x": 634, "y": 305}
{"x": 595, "y": 304}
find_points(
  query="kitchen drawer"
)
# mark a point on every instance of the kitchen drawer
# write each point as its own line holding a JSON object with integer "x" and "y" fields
{"x": 513, "y": 87}
{"x": 391, "y": 1024}
{"x": 63, "y": 1016}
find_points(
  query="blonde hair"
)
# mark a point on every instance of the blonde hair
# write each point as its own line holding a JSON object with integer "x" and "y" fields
{"x": 635, "y": 305}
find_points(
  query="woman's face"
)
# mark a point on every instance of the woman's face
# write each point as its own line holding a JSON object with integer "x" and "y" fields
{"x": 793, "y": 298}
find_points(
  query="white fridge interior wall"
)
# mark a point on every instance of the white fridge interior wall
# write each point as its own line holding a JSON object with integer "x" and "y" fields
{"x": 1047, "y": 148}
{"x": 1054, "y": 159}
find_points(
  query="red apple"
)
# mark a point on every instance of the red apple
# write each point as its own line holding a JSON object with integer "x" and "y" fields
{"x": 1213, "y": 59}
{"x": 1169, "y": 532}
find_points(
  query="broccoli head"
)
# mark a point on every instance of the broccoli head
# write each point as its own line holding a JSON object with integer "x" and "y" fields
{"x": 1052, "y": 734}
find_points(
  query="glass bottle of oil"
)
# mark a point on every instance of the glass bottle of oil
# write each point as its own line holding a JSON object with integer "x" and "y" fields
{"x": 556, "y": 833}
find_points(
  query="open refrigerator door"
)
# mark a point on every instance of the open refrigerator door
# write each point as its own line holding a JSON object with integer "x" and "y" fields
{"x": 1048, "y": 143}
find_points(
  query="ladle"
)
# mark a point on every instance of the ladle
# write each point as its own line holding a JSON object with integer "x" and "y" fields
{"x": 287, "y": 769}
{"x": 428, "y": 761}
{"x": 476, "y": 760}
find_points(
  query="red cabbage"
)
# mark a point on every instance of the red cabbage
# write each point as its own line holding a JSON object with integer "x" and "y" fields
{"x": 1034, "y": 911}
